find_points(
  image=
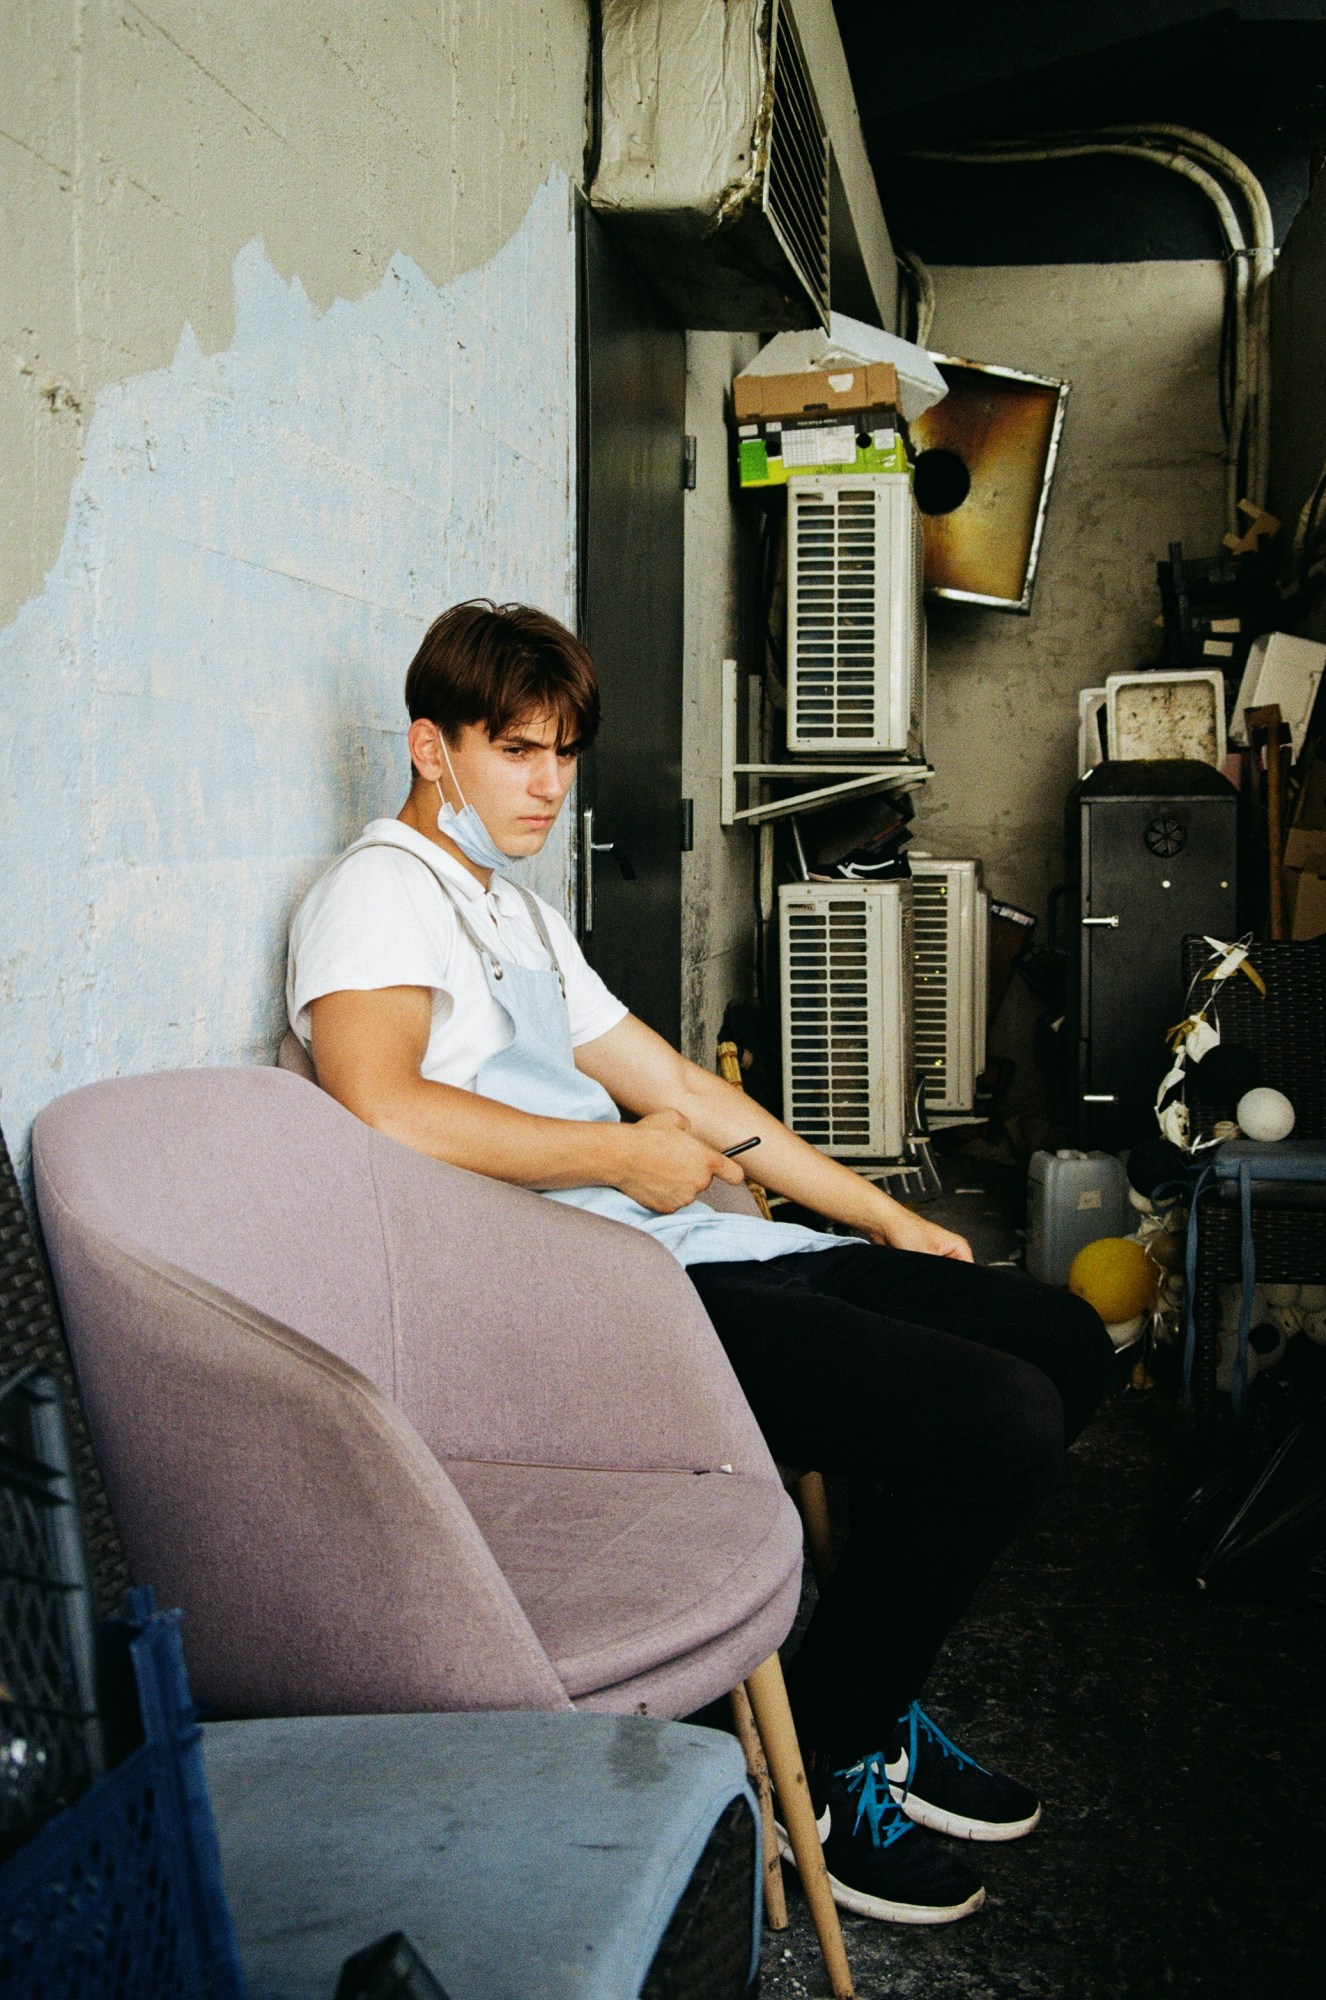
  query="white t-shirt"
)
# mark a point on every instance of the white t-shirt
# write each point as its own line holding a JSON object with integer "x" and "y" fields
{"x": 377, "y": 920}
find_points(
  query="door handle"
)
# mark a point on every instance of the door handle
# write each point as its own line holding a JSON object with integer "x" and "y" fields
{"x": 1106, "y": 923}
{"x": 589, "y": 847}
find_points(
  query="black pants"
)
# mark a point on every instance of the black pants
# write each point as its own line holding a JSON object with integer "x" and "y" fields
{"x": 946, "y": 1394}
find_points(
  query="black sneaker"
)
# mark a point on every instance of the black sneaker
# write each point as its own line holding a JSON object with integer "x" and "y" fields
{"x": 941, "y": 1787}
{"x": 879, "y": 1863}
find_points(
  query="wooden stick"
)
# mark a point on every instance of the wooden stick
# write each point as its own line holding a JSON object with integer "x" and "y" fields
{"x": 729, "y": 1068}
{"x": 775, "y": 1899}
{"x": 814, "y": 1504}
{"x": 1268, "y": 718}
{"x": 773, "y": 1719}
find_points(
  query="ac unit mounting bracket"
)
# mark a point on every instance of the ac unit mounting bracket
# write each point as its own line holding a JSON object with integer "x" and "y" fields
{"x": 808, "y": 773}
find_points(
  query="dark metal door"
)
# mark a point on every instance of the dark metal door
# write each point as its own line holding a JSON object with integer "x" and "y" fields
{"x": 633, "y": 402}
{"x": 1155, "y": 869}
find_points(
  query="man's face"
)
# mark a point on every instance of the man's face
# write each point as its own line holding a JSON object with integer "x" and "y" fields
{"x": 516, "y": 782}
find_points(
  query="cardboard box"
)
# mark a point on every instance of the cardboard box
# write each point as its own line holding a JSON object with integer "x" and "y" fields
{"x": 1305, "y": 847}
{"x": 816, "y": 392}
{"x": 1282, "y": 671}
{"x": 1305, "y": 897}
{"x": 821, "y": 420}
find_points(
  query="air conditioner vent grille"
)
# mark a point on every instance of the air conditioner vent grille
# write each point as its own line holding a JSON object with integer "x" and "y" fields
{"x": 930, "y": 900}
{"x": 836, "y": 616}
{"x": 796, "y": 189}
{"x": 856, "y": 654}
{"x": 907, "y": 950}
{"x": 828, "y": 999}
{"x": 848, "y": 1084}
{"x": 949, "y": 964}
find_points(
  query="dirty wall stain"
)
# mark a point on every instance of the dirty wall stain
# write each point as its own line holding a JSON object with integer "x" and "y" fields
{"x": 203, "y": 702}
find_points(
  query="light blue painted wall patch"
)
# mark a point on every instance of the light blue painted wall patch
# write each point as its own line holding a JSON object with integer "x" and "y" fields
{"x": 204, "y": 700}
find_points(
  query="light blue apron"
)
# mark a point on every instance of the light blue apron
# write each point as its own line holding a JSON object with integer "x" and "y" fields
{"x": 536, "y": 1072}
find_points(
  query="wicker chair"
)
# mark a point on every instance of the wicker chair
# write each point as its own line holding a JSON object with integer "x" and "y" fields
{"x": 31, "y": 1333}
{"x": 1286, "y": 1030}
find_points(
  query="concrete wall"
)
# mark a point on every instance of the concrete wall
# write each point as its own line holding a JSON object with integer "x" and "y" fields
{"x": 289, "y": 334}
{"x": 1140, "y": 466}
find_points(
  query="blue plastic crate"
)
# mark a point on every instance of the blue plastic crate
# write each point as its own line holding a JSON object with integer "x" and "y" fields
{"x": 119, "y": 1897}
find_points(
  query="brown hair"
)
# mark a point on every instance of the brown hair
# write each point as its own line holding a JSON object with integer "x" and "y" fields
{"x": 497, "y": 664}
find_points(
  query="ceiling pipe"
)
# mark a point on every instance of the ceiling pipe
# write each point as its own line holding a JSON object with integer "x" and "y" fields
{"x": 1198, "y": 159}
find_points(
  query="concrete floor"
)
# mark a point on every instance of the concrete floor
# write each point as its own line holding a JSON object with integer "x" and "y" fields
{"x": 1177, "y": 1742}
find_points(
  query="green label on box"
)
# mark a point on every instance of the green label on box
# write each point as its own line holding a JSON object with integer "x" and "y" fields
{"x": 752, "y": 462}
{"x": 756, "y": 468}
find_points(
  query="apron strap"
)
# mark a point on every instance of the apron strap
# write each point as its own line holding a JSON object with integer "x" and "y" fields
{"x": 531, "y": 903}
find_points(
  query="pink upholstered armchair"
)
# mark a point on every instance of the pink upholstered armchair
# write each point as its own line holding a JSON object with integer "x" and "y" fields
{"x": 397, "y": 1437}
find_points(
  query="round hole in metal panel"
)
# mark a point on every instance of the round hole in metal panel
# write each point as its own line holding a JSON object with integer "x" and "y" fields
{"x": 941, "y": 482}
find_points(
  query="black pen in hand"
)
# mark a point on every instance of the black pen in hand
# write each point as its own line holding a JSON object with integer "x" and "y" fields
{"x": 731, "y": 1152}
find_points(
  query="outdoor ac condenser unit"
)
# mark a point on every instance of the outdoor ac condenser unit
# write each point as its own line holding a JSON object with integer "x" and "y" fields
{"x": 951, "y": 929}
{"x": 713, "y": 163}
{"x": 855, "y": 624}
{"x": 848, "y": 1071}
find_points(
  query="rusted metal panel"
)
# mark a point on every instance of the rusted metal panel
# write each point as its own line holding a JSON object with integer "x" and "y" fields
{"x": 986, "y": 457}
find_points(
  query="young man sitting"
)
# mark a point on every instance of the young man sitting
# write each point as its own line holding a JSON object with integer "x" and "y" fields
{"x": 448, "y": 1007}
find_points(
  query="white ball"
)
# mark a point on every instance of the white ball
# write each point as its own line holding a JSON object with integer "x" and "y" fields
{"x": 1266, "y": 1114}
{"x": 1124, "y": 1332}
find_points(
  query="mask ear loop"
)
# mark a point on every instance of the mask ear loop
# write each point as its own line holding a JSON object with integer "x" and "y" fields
{"x": 451, "y": 772}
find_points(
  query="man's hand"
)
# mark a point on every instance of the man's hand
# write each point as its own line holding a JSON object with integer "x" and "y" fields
{"x": 903, "y": 1230}
{"x": 665, "y": 1166}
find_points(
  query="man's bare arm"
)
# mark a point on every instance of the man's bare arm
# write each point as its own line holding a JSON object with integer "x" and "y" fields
{"x": 644, "y": 1074}
{"x": 367, "y": 1051}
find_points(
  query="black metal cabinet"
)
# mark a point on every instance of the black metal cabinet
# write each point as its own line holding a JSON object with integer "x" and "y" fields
{"x": 1153, "y": 856}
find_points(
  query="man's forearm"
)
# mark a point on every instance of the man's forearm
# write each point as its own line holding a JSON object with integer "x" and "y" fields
{"x": 487, "y": 1137}
{"x": 781, "y": 1162}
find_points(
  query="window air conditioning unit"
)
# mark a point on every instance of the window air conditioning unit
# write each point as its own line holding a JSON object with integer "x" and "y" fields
{"x": 713, "y": 163}
{"x": 848, "y": 1072}
{"x": 856, "y": 628}
{"x": 951, "y": 927}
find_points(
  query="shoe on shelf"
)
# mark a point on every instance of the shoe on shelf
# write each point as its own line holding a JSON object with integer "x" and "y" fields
{"x": 942, "y": 1788}
{"x": 880, "y": 1863}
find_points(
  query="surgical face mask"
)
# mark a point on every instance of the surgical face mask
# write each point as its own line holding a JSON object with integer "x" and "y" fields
{"x": 465, "y": 827}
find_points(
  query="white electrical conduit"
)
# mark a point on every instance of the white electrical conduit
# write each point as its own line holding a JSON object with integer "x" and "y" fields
{"x": 1259, "y": 255}
{"x": 1250, "y": 408}
{"x": 923, "y": 294}
{"x": 1262, "y": 260}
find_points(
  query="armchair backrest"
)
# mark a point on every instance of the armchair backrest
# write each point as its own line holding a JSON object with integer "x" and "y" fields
{"x": 324, "y": 1562}
{"x": 505, "y": 1327}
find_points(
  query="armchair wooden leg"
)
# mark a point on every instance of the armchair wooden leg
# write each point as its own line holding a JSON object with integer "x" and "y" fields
{"x": 814, "y": 1504}
{"x": 773, "y": 1719}
{"x": 775, "y": 1901}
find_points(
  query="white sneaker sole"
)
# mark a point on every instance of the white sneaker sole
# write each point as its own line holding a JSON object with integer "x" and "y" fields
{"x": 859, "y": 1904}
{"x": 936, "y": 1820}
